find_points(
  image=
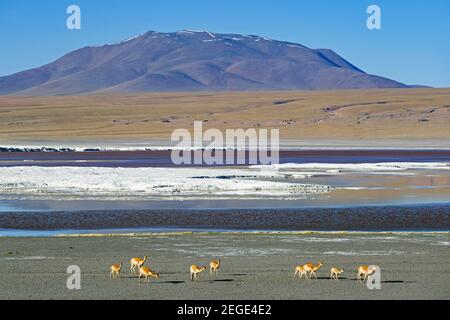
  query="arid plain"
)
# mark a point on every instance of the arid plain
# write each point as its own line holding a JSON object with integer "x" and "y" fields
{"x": 393, "y": 114}
{"x": 259, "y": 266}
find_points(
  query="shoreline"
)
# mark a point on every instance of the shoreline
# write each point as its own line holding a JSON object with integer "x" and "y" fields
{"x": 285, "y": 145}
{"x": 151, "y": 234}
{"x": 281, "y": 233}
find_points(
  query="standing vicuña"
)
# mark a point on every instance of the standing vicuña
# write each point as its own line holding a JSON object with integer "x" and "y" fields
{"x": 214, "y": 267}
{"x": 136, "y": 263}
{"x": 115, "y": 270}
{"x": 195, "y": 270}
{"x": 309, "y": 267}
{"x": 335, "y": 272}
{"x": 300, "y": 270}
{"x": 364, "y": 272}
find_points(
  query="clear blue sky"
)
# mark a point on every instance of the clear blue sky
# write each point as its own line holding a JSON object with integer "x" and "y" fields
{"x": 413, "y": 46}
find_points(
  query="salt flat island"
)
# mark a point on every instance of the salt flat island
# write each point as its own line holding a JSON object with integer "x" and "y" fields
{"x": 285, "y": 181}
{"x": 151, "y": 183}
{"x": 291, "y": 181}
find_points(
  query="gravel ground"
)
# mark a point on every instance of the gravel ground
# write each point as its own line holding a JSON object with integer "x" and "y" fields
{"x": 254, "y": 266}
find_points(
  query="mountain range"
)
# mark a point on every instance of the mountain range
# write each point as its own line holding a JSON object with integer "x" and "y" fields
{"x": 190, "y": 60}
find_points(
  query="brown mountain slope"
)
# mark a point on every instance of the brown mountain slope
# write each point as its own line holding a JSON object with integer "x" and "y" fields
{"x": 192, "y": 61}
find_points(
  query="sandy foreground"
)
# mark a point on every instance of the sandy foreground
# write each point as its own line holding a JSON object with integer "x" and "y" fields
{"x": 254, "y": 266}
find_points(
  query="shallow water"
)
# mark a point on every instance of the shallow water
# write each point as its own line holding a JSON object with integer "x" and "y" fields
{"x": 414, "y": 189}
{"x": 163, "y": 158}
{"x": 374, "y": 219}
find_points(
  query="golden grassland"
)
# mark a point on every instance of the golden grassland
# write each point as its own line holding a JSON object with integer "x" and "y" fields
{"x": 350, "y": 114}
